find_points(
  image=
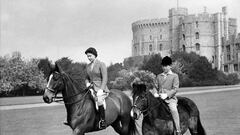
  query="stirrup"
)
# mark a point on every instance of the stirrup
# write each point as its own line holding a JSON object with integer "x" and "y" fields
{"x": 102, "y": 124}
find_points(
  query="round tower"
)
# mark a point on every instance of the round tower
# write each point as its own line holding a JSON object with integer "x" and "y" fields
{"x": 150, "y": 37}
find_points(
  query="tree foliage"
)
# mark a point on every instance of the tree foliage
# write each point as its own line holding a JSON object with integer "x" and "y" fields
{"x": 15, "y": 73}
{"x": 153, "y": 64}
{"x": 113, "y": 70}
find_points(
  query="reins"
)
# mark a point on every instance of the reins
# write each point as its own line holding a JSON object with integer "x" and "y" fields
{"x": 61, "y": 98}
{"x": 149, "y": 109}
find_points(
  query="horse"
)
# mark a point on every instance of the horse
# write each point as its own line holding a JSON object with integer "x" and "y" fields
{"x": 157, "y": 119}
{"x": 82, "y": 115}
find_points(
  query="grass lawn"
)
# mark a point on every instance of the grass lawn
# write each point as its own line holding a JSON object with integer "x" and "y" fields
{"x": 220, "y": 115}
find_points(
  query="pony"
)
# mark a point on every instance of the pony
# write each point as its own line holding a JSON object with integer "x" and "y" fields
{"x": 157, "y": 119}
{"x": 82, "y": 115}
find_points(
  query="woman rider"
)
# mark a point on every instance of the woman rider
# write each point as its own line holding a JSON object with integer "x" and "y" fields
{"x": 97, "y": 75}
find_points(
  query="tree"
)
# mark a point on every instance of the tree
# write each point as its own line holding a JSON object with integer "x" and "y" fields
{"x": 201, "y": 70}
{"x": 113, "y": 70}
{"x": 153, "y": 64}
{"x": 18, "y": 74}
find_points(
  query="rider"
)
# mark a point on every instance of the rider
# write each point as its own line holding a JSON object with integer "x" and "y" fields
{"x": 168, "y": 83}
{"x": 97, "y": 75}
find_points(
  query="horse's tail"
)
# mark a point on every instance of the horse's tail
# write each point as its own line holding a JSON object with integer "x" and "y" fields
{"x": 132, "y": 127}
{"x": 200, "y": 128}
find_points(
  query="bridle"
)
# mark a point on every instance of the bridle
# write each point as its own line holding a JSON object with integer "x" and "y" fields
{"x": 61, "y": 98}
{"x": 148, "y": 109}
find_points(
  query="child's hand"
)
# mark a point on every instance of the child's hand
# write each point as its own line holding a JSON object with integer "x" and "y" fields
{"x": 156, "y": 95}
{"x": 163, "y": 96}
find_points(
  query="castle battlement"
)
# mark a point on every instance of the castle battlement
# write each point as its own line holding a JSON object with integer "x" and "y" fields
{"x": 147, "y": 23}
{"x": 203, "y": 33}
{"x": 204, "y": 17}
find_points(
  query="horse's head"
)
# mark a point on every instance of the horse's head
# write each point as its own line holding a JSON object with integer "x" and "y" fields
{"x": 140, "y": 100}
{"x": 55, "y": 84}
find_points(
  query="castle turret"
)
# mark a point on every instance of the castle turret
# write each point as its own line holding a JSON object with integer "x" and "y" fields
{"x": 175, "y": 15}
{"x": 225, "y": 22}
{"x": 150, "y": 37}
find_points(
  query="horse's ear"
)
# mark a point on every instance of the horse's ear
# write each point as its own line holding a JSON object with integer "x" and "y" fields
{"x": 58, "y": 67}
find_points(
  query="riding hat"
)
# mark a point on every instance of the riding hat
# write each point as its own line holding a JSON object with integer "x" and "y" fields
{"x": 166, "y": 61}
{"x": 92, "y": 51}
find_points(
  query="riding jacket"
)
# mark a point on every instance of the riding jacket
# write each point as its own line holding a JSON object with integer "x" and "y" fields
{"x": 168, "y": 83}
{"x": 97, "y": 74}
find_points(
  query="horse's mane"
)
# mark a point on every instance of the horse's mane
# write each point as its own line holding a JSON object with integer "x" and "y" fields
{"x": 138, "y": 89}
{"x": 161, "y": 106}
{"x": 76, "y": 72}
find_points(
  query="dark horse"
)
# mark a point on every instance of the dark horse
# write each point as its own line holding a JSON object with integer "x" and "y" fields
{"x": 82, "y": 115}
{"x": 157, "y": 119}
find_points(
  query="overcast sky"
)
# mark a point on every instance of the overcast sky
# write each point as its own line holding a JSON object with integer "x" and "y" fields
{"x": 66, "y": 28}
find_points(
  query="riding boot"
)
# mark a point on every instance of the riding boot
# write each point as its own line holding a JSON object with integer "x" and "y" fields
{"x": 102, "y": 122}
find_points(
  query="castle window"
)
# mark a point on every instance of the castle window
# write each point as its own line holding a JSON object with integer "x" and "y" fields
{"x": 228, "y": 48}
{"x": 183, "y": 26}
{"x": 237, "y": 46}
{"x": 225, "y": 68}
{"x": 142, "y": 49}
{"x": 135, "y": 49}
{"x": 197, "y": 35}
{"x": 184, "y": 48}
{"x": 160, "y": 36}
{"x": 235, "y": 67}
{"x": 196, "y": 24}
{"x": 183, "y": 36}
{"x": 150, "y": 37}
{"x": 228, "y": 57}
{"x": 150, "y": 48}
{"x": 213, "y": 59}
{"x": 197, "y": 46}
{"x": 160, "y": 47}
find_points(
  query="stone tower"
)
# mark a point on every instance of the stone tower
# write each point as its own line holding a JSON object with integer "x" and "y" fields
{"x": 175, "y": 15}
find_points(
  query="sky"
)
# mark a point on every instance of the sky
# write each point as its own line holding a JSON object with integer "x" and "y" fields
{"x": 66, "y": 28}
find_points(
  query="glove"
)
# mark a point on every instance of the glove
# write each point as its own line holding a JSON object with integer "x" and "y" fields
{"x": 100, "y": 92}
{"x": 163, "y": 96}
{"x": 156, "y": 95}
{"x": 88, "y": 84}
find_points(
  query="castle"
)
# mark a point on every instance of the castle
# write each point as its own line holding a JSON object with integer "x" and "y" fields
{"x": 211, "y": 35}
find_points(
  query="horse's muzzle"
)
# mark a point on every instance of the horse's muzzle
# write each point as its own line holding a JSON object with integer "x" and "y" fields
{"x": 47, "y": 100}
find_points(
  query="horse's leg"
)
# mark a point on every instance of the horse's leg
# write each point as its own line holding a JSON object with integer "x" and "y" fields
{"x": 125, "y": 120}
{"x": 193, "y": 125}
{"x": 117, "y": 126}
{"x": 121, "y": 126}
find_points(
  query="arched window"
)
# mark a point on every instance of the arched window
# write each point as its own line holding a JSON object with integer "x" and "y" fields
{"x": 183, "y": 36}
{"x": 184, "y": 48}
{"x": 160, "y": 47}
{"x": 197, "y": 35}
{"x": 150, "y": 37}
{"x": 197, "y": 46}
{"x": 160, "y": 36}
{"x": 196, "y": 24}
{"x": 135, "y": 49}
{"x": 183, "y": 26}
{"x": 150, "y": 48}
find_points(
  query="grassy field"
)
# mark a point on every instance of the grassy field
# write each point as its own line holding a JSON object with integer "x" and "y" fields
{"x": 220, "y": 115}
